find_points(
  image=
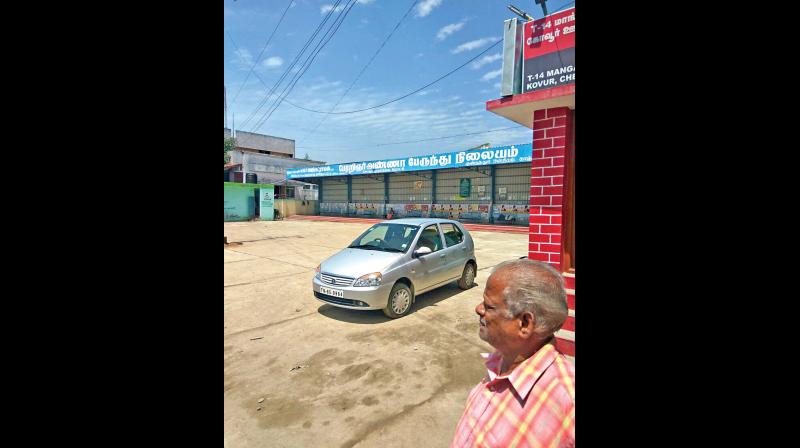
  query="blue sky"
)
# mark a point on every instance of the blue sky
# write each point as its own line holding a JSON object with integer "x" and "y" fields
{"x": 436, "y": 37}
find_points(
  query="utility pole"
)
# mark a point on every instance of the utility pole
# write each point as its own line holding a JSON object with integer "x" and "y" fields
{"x": 244, "y": 161}
{"x": 544, "y": 5}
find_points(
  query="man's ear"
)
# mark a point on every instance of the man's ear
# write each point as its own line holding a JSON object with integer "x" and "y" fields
{"x": 526, "y": 324}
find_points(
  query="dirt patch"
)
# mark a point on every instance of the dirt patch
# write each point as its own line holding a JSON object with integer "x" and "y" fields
{"x": 342, "y": 403}
{"x": 370, "y": 400}
{"x": 468, "y": 327}
{"x": 279, "y": 413}
{"x": 351, "y": 373}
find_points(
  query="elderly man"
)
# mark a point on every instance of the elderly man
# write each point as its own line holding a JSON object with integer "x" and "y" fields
{"x": 528, "y": 397}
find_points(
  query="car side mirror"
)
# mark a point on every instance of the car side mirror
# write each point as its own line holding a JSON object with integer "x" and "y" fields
{"x": 422, "y": 251}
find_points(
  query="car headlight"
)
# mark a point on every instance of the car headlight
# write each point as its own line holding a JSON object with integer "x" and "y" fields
{"x": 373, "y": 279}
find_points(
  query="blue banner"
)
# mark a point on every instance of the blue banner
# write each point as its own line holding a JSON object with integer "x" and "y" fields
{"x": 476, "y": 157}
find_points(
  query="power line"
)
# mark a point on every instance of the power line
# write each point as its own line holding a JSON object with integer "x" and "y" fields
{"x": 404, "y": 96}
{"x": 290, "y": 66}
{"x": 262, "y": 52}
{"x": 363, "y": 69}
{"x": 303, "y": 65}
{"x": 293, "y": 64}
{"x": 310, "y": 60}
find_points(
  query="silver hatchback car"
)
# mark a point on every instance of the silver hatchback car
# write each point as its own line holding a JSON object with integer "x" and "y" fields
{"x": 393, "y": 261}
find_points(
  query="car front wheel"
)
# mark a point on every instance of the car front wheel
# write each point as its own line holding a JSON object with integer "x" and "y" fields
{"x": 399, "y": 301}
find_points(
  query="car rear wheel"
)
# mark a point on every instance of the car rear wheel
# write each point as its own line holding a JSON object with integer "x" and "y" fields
{"x": 467, "y": 279}
{"x": 399, "y": 301}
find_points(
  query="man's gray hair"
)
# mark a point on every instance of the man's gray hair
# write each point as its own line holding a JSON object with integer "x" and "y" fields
{"x": 538, "y": 288}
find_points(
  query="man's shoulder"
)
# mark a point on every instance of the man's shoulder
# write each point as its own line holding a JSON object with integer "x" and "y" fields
{"x": 559, "y": 380}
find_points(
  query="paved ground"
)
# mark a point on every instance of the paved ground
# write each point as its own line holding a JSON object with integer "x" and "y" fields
{"x": 331, "y": 377}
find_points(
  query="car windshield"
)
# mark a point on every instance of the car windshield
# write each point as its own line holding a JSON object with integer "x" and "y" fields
{"x": 386, "y": 238}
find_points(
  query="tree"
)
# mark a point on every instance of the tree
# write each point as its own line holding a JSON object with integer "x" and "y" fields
{"x": 230, "y": 143}
{"x": 307, "y": 157}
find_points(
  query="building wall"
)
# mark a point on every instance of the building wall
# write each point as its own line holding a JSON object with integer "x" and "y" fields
{"x": 267, "y": 168}
{"x": 254, "y": 162}
{"x": 289, "y": 207}
{"x": 307, "y": 194}
{"x": 548, "y": 170}
{"x": 262, "y": 142}
{"x": 240, "y": 201}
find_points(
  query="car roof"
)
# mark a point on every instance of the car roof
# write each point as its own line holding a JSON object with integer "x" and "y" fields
{"x": 419, "y": 221}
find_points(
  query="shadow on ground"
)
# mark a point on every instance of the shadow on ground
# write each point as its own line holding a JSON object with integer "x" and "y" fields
{"x": 371, "y": 317}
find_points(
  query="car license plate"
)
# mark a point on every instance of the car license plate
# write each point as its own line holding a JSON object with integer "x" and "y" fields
{"x": 332, "y": 292}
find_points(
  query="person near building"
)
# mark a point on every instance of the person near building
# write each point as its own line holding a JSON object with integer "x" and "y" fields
{"x": 390, "y": 214}
{"x": 527, "y": 398}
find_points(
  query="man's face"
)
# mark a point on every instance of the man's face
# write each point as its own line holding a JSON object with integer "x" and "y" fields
{"x": 495, "y": 327}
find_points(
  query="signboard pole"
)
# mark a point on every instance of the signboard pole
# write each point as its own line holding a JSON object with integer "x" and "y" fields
{"x": 492, "y": 177}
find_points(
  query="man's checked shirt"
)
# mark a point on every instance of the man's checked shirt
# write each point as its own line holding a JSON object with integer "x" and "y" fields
{"x": 533, "y": 406}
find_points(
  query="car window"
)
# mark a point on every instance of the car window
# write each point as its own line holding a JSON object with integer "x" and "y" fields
{"x": 387, "y": 237}
{"x": 375, "y": 233}
{"x": 430, "y": 238}
{"x": 452, "y": 234}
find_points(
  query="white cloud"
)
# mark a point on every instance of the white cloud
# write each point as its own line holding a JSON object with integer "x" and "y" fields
{"x": 448, "y": 30}
{"x": 493, "y": 74}
{"x": 325, "y": 8}
{"x": 496, "y": 85}
{"x": 244, "y": 58}
{"x": 274, "y": 61}
{"x": 419, "y": 55}
{"x": 426, "y": 92}
{"x": 354, "y": 136}
{"x": 324, "y": 84}
{"x": 486, "y": 60}
{"x": 426, "y": 6}
{"x": 471, "y": 45}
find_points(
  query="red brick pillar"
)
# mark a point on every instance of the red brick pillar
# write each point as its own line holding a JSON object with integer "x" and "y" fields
{"x": 550, "y": 130}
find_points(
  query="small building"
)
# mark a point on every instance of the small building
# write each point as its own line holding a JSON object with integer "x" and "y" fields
{"x": 259, "y": 158}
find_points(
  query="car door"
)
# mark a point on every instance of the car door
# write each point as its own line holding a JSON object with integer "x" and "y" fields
{"x": 431, "y": 268}
{"x": 456, "y": 253}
